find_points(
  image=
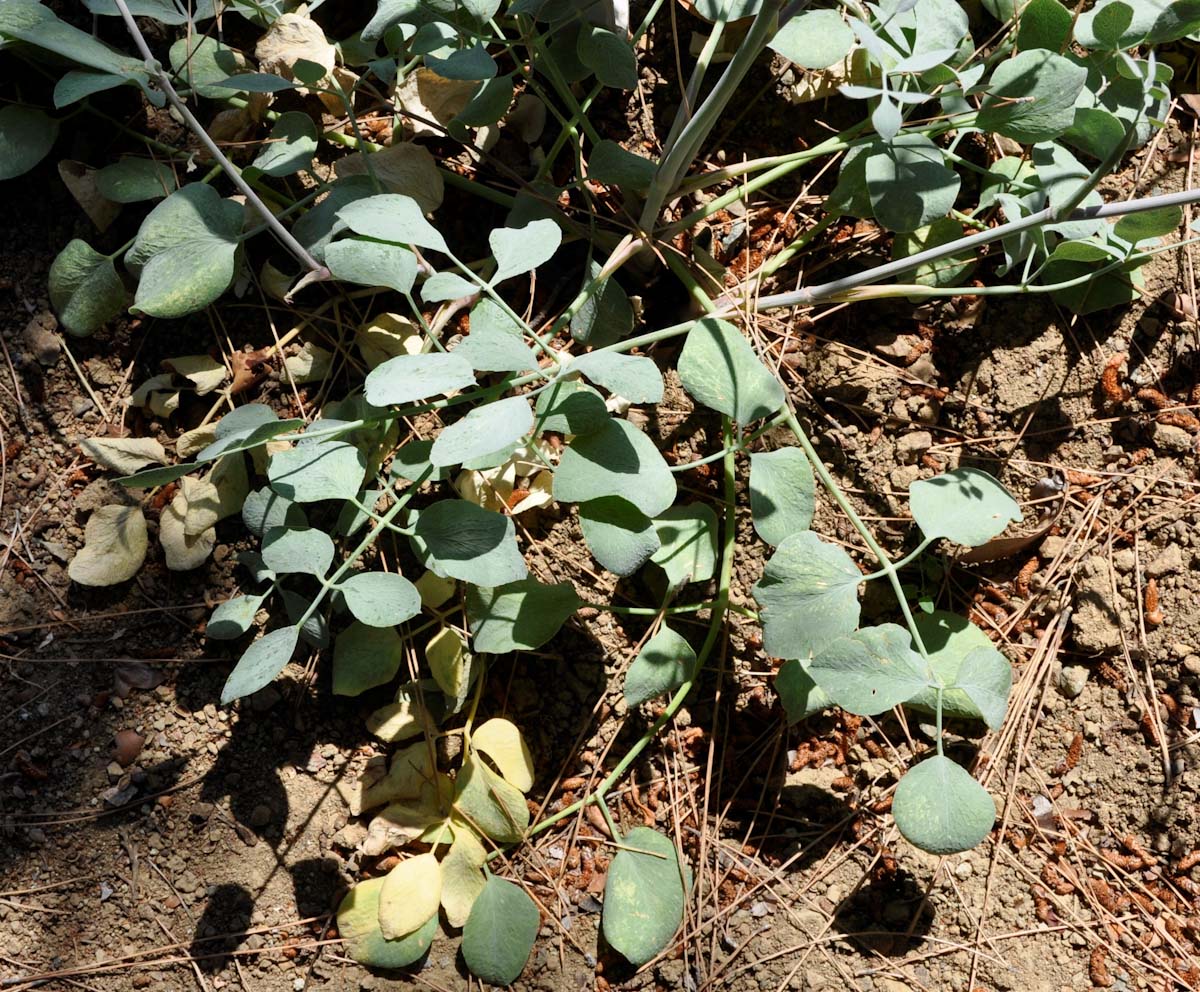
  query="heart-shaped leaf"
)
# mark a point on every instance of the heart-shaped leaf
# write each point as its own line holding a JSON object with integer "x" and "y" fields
{"x": 523, "y": 249}
{"x": 719, "y": 368}
{"x": 184, "y": 252}
{"x": 265, "y": 509}
{"x": 941, "y": 809}
{"x": 84, "y": 288}
{"x": 809, "y": 595}
{"x": 372, "y": 263}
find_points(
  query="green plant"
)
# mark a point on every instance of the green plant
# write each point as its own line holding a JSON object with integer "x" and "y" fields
{"x": 378, "y": 472}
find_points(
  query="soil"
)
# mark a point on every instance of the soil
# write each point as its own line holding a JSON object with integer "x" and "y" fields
{"x": 152, "y": 839}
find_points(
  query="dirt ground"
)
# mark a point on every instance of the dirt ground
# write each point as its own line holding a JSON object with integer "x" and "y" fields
{"x": 207, "y": 848}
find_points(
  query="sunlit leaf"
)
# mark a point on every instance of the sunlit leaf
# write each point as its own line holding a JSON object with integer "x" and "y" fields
{"x": 489, "y": 803}
{"x": 1031, "y": 97}
{"x": 619, "y": 535}
{"x": 643, "y": 896}
{"x": 663, "y": 665}
{"x": 632, "y": 377}
{"x": 316, "y": 471}
{"x": 410, "y": 894}
{"x": 261, "y": 662}
{"x": 967, "y": 506}
{"x": 719, "y": 368}
{"x": 502, "y": 742}
{"x": 500, "y": 932}
{"x": 358, "y": 925}
{"x": 615, "y": 460}
{"x": 464, "y": 541}
{"x": 483, "y": 430}
{"x": 462, "y": 876}
{"x": 380, "y": 599}
{"x": 871, "y": 670}
{"x": 687, "y": 538}
{"x": 114, "y": 547}
{"x": 941, "y": 809}
{"x": 523, "y": 249}
{"x": 233, "y": 617}
{"x": 781, "y": 493}
{"x": 307, "y": 550}
{"x": 406, "y": 378}
{"x": 518, "y": 616}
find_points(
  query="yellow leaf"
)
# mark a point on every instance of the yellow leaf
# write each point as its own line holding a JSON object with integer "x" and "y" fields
{"x": 411, "y": 893}
{"x": 445, "y": 653}
{"x": 462, "y": 876}
{"x": 501, "y": 741}
{"x": 411, "y": 768}
{"x": 400, "y": 720}
{"x": 434, "y": 589}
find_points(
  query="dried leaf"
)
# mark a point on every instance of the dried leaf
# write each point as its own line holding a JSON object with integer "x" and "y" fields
{"x": 202, "y": 371}
{"x": 388, "y": 335}
{"x": 404, "y": 167}
{"x": 426, "y": 96}
{"x": 114, "y": 547}
{"x": 290, "y": 38}
{"x": 124, "y": 454}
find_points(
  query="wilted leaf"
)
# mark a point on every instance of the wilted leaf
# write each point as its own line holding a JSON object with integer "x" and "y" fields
{"x": 403, "y": 167}
{"x": 411, "y": 893}
{"x": 502, "y": 742}
{"x": 358, "y": 925}
{"x": 114, "y": 547}
{"x": 124, "y": 454}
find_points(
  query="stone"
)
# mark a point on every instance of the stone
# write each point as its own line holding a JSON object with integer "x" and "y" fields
{"x": 904, "y": 476}
{"x": 1071, "y": 680}
{"x": 40, "y": 339}
{"x": 1124, "y": 560}
{"x": 1052, "y": 547}
{"x": 1191, "y": 664}
{"x": 912, "y": 446}
{"x": 261, "y": 815}
{"x": 1167, "y": 562}
{"x": 1095, "y": 624}
{"x": 1168, "y": 437}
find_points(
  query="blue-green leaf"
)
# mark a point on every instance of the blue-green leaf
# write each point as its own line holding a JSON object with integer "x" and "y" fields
{"x": 816, "y": 39}
{"x": 518, "y": 616}
{"x": 262, "y": 661}
{"x": 322, "y": 470}
{"x": 358, "y": 925}
{"x": 232, "y": 618}
{"x": 799, "y": 695}
{"x": 616, "y": 460}
{"x": 483, "y": 430}
{"x": 500, "y": 932}
{"x": 372, "y": 263}
{"x": 632, "y": 377}
{"x": 364, "y": 657}
{"x": 781, "y": 493}
{"x": 1031, "y": 97}
{"x": 941, "y": 809}
{"x": 407, "y": 378}
{"x": 643, "y": 896}
{"x": 523, "y": 249}
{"x": 380, "y": 599}
{"x": 84, "y": 287}
{"x": 290, "y": 146}
{"x": 663, "y": 665}
{"x": 687, "y": 538}
{"x": 871, "y": 670}
{"x": 26, "y": 137}
{"x": 391, "y": 217}
{"x": 463, "y": 541}
{"x": 719, "y": 368}
{"x": 621, "y": 537}
{"x": 968, "y": 506}
{"x": 286, "y": 550}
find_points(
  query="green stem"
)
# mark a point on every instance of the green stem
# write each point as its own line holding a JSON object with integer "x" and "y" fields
{"x": 908, "y": 559}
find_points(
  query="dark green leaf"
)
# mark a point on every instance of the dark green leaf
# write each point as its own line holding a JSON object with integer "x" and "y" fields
{"x": 314, "y": 631}
{"x": 132, "y": 180}
{"x": 612, "y": 165}
{"x": 464, "y": 63}
{"x": 412, "y": 463}
{"x": 84, "y": 288}
{"x": 500, "y": 932}
{"x": 909, "y": 183}
{"x": 1148, "y": 224}
{"x": 488, "y": 104}
{"x": 1044, "y": 24}
{"x": 949, "y": 271}
{"x": 254, "y": 82}
{"x": 26, "y": 137}
{"x": 609, "y": 56}
{"x": 518, "y": 616}
{"x": 800, "y": 696}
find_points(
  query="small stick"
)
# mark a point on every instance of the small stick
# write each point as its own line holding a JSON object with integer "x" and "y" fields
{"x": 317, "y": 271}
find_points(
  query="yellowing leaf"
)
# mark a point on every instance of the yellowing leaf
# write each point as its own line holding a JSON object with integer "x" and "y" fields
{"x": 124, "y": 454}
{"x": 462, "y": 876}
{"x": 194, "y": 441}
{"x": 405, "y": 168}
{"x": 201, "y": 505}
{"x": 388, "y": 335}
{"x": 400, "y": 720}
{"x": 410, "y": 770}
{"x": 434, "y": 590}
{"x": 428, "y": 96}
{"x": 501, "y": 741}
{"x": 310, "y": 364}
{"x": 203, "y": 372}
{"x": 183, "y": 552}
{"x": 292, "y": 37}
{"x": 411, "y": 893}
{"x": 406, "y": 821}
{"x": 445, "y": 653}
{"x": 114, "y": 547}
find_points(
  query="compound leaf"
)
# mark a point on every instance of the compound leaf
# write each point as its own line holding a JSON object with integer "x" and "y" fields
{"x": 500, "y": 932}
{"x": 518, "y": 616}
{"x": 967, "y": 506}
{"x": 719, "y": 368}
{"x": 940, "y": 808}
{"x": 643, "y": 896}
{"x": 781, "y": 493}
{"x": 809, "y": 595}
